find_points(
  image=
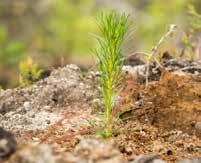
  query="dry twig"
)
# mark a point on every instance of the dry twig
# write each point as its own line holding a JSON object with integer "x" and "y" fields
{"x": 154, "y": 50}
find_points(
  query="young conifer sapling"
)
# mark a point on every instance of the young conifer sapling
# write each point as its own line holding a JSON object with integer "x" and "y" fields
{"x": 113, "y": 28}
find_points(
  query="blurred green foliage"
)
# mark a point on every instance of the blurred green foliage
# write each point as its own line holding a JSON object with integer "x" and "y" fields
{"x": 50, "y": 29}
{"x": 195, "y": 18}
{"x": 71, "y": 27}
{"x": 11, "y": 51}
{"x": 29, "y": 72}
{"x": 192, "y": 37}
{"x": 67, "y": 28}
{"x": 155, "y": 19}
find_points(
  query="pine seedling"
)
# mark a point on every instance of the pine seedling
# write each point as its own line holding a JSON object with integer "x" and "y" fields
{"x": 113, "y": 28}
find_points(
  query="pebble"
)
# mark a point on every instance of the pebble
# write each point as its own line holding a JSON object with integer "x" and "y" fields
{"x": 198, "y": 126}
{"x": 27, "y": 106}
{"x": 47, "y": 108}
{"x": 7, "y": 143}
{"x": 148, "y": 159}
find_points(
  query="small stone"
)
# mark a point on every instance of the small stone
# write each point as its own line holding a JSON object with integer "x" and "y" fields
{"x": 35, "y": 139}
{"x": 134, "y": 59}
{"x": 148, "y": 159}
{"x": 7, "y": 143}
{"x": 128, "y": 150}
{"x": 73, "y": 67}
{"x": 47, "y": 108}
{"x": 137, "y": 72}
{"x": 48, "y": 121}
{"x": 198, "y": 127}
{"x": 99, "y": 150}
{"x": 33, "y": 154}
{"x": 27, "y": 106}
{"x": 169, "y": 152}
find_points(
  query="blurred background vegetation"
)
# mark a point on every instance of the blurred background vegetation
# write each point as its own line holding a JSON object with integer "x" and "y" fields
{"x": 56, "y": 32}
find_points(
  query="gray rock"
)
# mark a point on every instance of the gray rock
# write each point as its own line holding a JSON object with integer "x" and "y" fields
{"x": 198, "y": 127}
{"x": 29, "y": 109}
{"x": 7, "y": 143}
{"x": 27, "y": 106}
{"x": 148, "y": 159}
{"x": 191, "y": 161}
{"x": 33, "y": 154}
{"x": 98, "y": 151}
{"x": 137, "y": 72}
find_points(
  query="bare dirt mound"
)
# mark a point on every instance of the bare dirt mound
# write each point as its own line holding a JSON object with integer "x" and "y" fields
{"x": 163, "y": 117}
{"x": 176, "y": 102}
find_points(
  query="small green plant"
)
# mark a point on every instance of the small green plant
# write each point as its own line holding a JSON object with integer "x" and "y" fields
{"x": 29, "y": 72}
{"x": 195, "y": 17}
{"x": 191, "y": 40}
{"x": 113, "y": 28}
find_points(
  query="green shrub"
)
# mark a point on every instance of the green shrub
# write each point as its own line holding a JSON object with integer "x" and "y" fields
{"x": 192, "y": 38}
{"x": 29, "y": 72}
{"x": 113, "y": 28}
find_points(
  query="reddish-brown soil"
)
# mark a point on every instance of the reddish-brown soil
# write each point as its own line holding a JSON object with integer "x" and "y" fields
{"x": 159, "y": 118}
{"x": 164, "y": 122}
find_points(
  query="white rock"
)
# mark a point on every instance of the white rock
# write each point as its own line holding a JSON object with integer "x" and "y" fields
{"x": 27, "y": 106}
